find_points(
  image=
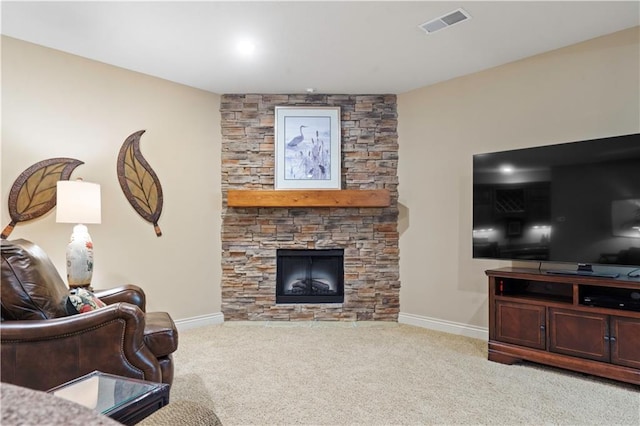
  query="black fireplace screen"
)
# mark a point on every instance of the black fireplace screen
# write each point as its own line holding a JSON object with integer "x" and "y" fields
{"x": 310, "y": 276}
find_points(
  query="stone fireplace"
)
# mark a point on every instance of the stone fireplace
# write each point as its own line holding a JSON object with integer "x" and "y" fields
{"x": 367, "y": 237}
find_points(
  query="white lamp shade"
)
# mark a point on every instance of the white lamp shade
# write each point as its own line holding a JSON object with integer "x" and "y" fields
{"x": 78, "y": 202}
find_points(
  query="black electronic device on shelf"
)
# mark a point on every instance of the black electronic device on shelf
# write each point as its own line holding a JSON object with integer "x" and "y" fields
{"x": 615, "y": 298}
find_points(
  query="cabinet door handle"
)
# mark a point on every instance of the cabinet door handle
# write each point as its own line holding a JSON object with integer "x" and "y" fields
{"x": 542, "y": 327}
{"x": 612, "y": 338}
{"x": 606, "y": 338}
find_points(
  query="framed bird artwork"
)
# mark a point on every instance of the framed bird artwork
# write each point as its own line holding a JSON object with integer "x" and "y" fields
{"x": 307, "y": 147}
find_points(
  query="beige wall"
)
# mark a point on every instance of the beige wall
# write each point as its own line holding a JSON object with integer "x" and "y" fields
{"x": 584, "y": 91}
{"x": 60, "y": 105}
{"x": 55, "y": 104}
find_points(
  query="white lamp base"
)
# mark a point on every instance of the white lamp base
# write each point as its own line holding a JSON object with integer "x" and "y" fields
{"x": 80, "y": 258}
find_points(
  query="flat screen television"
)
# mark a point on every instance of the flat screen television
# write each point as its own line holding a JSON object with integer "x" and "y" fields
{"x": 576, "y": 202}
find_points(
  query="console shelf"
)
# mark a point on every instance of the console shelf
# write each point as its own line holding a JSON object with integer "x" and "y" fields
{"x": 585, "y": 324}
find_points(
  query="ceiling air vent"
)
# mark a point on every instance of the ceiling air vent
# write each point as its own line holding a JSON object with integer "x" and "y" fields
{"x": 452, "y": 18}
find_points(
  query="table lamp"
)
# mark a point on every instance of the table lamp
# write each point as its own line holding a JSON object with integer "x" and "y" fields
{"x": 78, "y": 202}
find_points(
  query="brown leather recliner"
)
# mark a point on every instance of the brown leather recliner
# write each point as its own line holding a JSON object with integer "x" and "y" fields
{"x": 45, "y": 342}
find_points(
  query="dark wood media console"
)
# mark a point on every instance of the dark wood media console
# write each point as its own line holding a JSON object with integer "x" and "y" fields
{"x": 581, "y": 323}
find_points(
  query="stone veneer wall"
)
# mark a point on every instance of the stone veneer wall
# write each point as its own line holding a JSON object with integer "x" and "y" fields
{"x": 369, "y": 236}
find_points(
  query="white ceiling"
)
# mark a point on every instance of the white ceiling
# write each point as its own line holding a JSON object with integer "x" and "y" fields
{"x": 331, "y": 46}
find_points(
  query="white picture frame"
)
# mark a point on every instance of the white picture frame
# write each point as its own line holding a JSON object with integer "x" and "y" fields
{"x": 307, "y": 148}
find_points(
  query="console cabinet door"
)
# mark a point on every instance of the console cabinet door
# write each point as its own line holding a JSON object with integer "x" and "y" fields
{"x": 521, "y": 324}
{"x": 625, "y": 341}
{"x": 580, "y": 334}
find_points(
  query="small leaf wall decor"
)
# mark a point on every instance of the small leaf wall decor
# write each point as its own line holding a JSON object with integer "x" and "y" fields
{"x": 139, "y": 182}
{"x": 34, "y": 191}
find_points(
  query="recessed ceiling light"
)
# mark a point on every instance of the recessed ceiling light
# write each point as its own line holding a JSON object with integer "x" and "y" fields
{"x": 246, "y": 47}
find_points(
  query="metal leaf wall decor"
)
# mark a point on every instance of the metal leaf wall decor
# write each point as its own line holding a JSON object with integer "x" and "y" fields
{"x": 34, "y": 191}
{"x": 139, "y": 182}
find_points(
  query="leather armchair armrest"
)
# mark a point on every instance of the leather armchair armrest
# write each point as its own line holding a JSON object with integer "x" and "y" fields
{"x": 125, "y": 293}
{"x": 43, "y": 354}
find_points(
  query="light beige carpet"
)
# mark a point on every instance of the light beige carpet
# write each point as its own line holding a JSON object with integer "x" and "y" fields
{"x": 327, "y": 373}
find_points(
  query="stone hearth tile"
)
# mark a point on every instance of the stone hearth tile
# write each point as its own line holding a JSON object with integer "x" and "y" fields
{"x": 289, "y": 324}
{"x": 333, "y": 324}
{"x": 379, "y": 324}
{"x": 245, "y": 323}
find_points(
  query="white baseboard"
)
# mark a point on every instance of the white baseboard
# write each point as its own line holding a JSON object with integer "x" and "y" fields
{"x": 445, "y": 326}
{"x": 409, "y": 319}
{"x": 199, "y": 321}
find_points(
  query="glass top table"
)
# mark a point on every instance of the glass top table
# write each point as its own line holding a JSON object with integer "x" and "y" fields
{"x": 121, "y": 398}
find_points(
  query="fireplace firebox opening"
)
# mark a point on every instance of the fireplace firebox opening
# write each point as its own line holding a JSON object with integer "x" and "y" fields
{"x": 310, "y": 276}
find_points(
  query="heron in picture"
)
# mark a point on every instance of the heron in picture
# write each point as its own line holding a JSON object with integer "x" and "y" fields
{"x": 295, "y": 141}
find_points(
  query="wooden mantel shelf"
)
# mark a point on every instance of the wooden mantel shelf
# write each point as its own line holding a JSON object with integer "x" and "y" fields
{"x": 309, "y": 198}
